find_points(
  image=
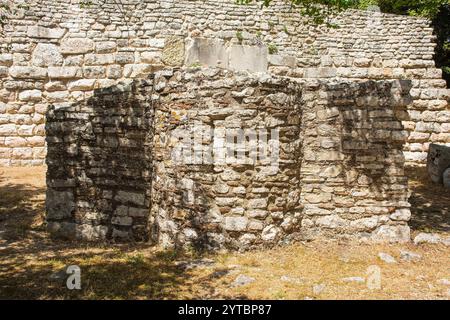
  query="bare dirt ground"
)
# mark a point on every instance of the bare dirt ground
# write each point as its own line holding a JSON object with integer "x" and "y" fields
{"x": 31, "y": 263}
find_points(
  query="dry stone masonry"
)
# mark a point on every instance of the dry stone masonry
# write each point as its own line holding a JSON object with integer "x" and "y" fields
{"x": 113, "y": 97}
{"x": 338, "y": 171}
{"x": 54, "y": 52}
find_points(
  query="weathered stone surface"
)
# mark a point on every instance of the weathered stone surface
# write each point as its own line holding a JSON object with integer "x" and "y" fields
{"x": 206, "y": 52}
{"x": 422, "y": 238}
{"x": 387, "y": 233}
{"x": 236, "y": 223}
{"x": 81, "y": 85}
{"x": 230, "y": 204}
{"x": 130, "y": 197}
{"x": 248, "y": 58}
{"x": 60, "y": 204}
{"x": 76, "y": 46}
{"x": 64, "y": 72}
{"x": 45, "y": 55}
{"x": 386, "y": 257}
{"x": 43, "y": 32}
{"x": 105, "y": 46}
{"x": 6, "y": 59}
{"x": 30, "y": 95}
{"x": 409, "y": 256}
{"x": 28, "y": 72}
{"x": 173, "y": 52}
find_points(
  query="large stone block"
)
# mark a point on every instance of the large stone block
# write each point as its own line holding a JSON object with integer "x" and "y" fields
{"x": 81, "y": 85}
{"x": 206, "y": 52}
{"x": 130, "y": 197}
{"x": 392, "y": 234}
{"x": 22, "y": 72}
{"x": 46, "y": 33}
{"x": 76, "y": 46}
{"x": 59, "y": 204}
{"x": 6, "y": 59}
{"x": 173, "y": 52}
{"x": 248, "y": 58}
{"x": 30, "y": 95}
{"x": 46, "y": 54}
{"x": 64, "y": 72}
{"x": 236, "y": 223}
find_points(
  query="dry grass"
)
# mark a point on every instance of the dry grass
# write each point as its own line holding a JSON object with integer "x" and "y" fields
{"x": 28, "y": 259}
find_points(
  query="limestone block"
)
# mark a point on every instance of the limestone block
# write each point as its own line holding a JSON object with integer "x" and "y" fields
{"x": 401, "y": 215}
{"x": 3, "y": 72}
{"x": 130, "y": 197}
{"x": 94, "y": 72}
{"x": 257, "y": 203}
{"x": 279, "y": 60}
{"x": 331, "y": 222}
{"x": 30, "y": 95}
{"x": 94, "y": 59}
{"x": 248, "y": 58}
{"x": 47, "y": 33}
{"x": 91, "y": 233}
{"x": 7, "y": 129}
{"x": 74, "y": 61}
{"x": 22, "y": 153}
{"x": 22, "y": 72}
{"x": 206, "y": 52}
{"x": 59, "y": 204}
{"x": 156, "y": 43}
{"x": 36, "y": 141}
{"x": 81, "y": 85}
{"x": 124, "y": 58}
{"x": 270, "y": 233}
{"x": 173, "y": 51}
{"x": 122, "y": 221}
{"x": 137, "y": 70}
{"x": 105, "y": 46}
{"x": 46, "y": 54}
{"x": 6, "y": 59}
{"x": 64, "y": 72}
{"x": 76, "y": 46}
{"x": 26, "y": 130}
{"x": 236, "y": 223}
{"x": 151, "y": 57}
{"x": 57, "y": 96}
{"x": 54, "y": 86}
{"x": 392, "y": 233}
{"x": 65, "y": 230}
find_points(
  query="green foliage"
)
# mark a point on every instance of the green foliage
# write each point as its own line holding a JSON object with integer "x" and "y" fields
{"x": 239, "y": 36}
{"x": 273, "y": 49}
{"x": 86, "y": 4}
{"x": 319, "y": 11}
{"x": 424, "y": 8}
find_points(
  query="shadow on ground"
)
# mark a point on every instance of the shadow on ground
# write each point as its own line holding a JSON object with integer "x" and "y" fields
{"x": 430, "y": 202}
{"x": 21, "y": 209}
{"x": 32, "y": 265}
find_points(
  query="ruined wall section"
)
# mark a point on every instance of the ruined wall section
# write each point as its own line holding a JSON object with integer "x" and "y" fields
{"x": 352, "y": 173}
{"x": 100, "y": 165}
{"x": 54, "y": 52}
{"x": 237, "y": 185}
{"x": 164, "y": 161}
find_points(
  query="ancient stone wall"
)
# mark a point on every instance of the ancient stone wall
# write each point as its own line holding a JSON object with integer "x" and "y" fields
{"x": 100, "y": 164}
{"x": 309, "y": 159}
{"x": 56, "y": 53}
